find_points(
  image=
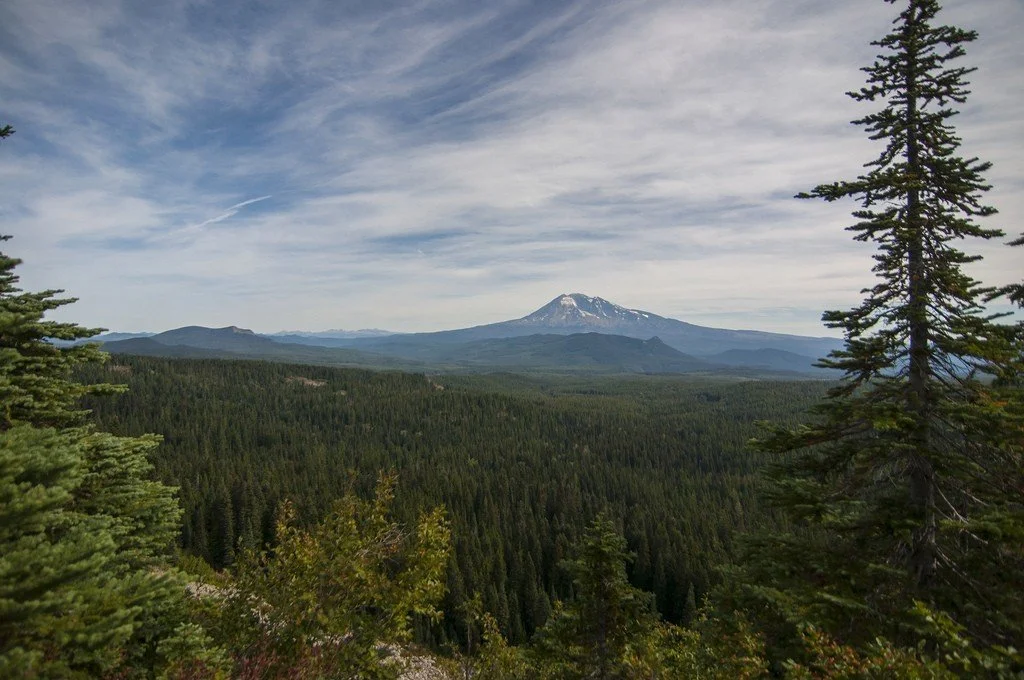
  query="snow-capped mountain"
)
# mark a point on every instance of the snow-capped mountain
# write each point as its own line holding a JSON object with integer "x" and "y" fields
{"x": 578, "y": 313}
{"x": 575, "y": 310}
{"x": 603, "y": 333}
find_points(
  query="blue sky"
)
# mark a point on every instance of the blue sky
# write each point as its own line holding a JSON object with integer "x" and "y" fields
{"x": 426, "y": 165}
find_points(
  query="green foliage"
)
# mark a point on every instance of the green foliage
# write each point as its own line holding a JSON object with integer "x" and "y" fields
{"x": 58, "y": 615}
{"x": 199, "y": 570}
{"x": 34, "y": 384}
{"x": 831, "y": 660}
{"x": 724, "y": 647}
{"x": 189, "y": 653}
{"x": 145, "y": 518}
{"x": 326, "y": 602}
{"x": 521, "y": 463}
{"x": 494, "y": 659}
{"x": 85, "y": 538}
{"x": 609, "y": 630}
{"x": 606, "y": 630}
{"x": 908, "y": 486}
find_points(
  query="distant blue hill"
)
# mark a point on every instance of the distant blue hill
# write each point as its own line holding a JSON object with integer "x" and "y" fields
{"x": 771, "y": 359}
{"x": 239, "y": 343}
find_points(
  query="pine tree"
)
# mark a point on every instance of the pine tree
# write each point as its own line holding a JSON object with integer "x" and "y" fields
{"x": 607, "y": 630}
{"x": 51, "y": 585}
{"x": 909, "y": 485}
{"x": 34, "y": 383}
{"x": 85, "y": 584}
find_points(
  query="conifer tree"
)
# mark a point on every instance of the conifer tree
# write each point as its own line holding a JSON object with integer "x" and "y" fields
{"x": 607, "y": 630}
{"x": 55, "y": 614}
{"x": 34, "y": 373}
{"x": 85, "y": 535}
{"x": 909, "y": 484}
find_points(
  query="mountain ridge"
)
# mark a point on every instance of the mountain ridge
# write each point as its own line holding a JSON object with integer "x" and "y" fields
{"x": 530, "y": 341}
{"x": 581, "y": 350}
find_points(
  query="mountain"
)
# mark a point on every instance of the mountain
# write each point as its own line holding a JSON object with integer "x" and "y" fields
{"x": 240, "y": 343}
{"x": 230, "y": 338}
{"x": 111, "y": 337}
{"x": 580, "y": 351}
{"x": 571, "y": 332}
{"x": 577, "y": 313}
{"x": 312, "y": 337}
{"x": 339, "y": 333}
{"x": 149, "y": 348}
{"x": 101, "y": 338}
{"x": 582, "y": 311}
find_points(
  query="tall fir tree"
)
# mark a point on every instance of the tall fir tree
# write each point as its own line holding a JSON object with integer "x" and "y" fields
{"x": 908, "y": 486}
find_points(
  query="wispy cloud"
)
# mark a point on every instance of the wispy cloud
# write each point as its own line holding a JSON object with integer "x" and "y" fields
{"x": 434, "y": 165}
{"x": 163, "y": 236}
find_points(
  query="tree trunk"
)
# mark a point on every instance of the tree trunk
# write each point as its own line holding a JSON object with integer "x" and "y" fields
{"x": 923, "y": 552}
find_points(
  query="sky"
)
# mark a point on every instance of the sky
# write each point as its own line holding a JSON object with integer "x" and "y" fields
{"x": 412, "y": 166}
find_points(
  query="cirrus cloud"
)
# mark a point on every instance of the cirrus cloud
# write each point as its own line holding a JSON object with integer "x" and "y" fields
{"x": 418, "y": 166}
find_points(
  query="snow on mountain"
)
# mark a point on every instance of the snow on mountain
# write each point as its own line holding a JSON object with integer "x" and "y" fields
{"x": 575, "y": 310}
{"x": 578, "y": 313}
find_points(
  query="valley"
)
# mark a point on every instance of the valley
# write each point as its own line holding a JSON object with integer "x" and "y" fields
{"x": 521, "y": 462}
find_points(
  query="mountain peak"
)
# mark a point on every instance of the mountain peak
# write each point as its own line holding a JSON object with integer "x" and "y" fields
{"x": 212, "y": 338}
{"x": 576, "y": 310}
{"x": 579, "y": 299}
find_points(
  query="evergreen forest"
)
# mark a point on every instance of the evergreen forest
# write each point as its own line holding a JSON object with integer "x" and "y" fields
{"x": 522, "y": 464}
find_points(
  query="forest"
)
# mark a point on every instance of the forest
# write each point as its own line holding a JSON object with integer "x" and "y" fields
{"x": 522, "y": 464}
{"x": 199, "y": 518}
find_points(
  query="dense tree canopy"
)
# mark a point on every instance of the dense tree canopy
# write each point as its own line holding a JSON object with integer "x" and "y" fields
{"x": 605, "y": 631}
{"x": 521, "y": 464}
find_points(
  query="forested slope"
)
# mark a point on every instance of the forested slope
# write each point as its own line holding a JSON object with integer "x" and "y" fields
{"x": 522, "y": 464}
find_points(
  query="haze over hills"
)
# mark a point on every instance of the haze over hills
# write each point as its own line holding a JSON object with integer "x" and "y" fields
{"x": 773, "y": 359}
{"x": 230, "y": 337}
{"x": 330, "y": 334}
{"x": 572, "y": 331}
{"x": 111, "y": 337}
